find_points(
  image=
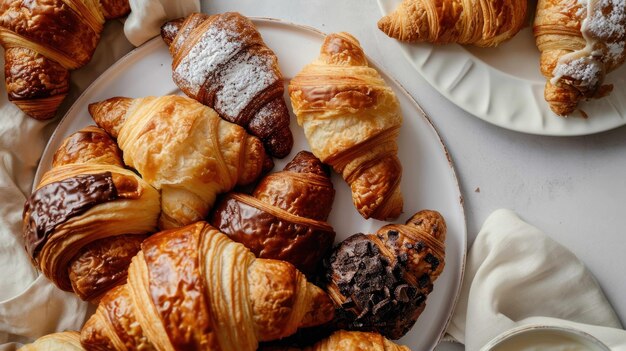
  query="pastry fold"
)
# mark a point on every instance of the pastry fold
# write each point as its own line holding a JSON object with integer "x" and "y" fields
{"x": 43, "y": 41}
{"x": 351, "y": 119}
{"x": 285, "y": 218}
{"x": 580, "y": 42}
{"x": 192, "y": 288}
{"x": 475, "y": 22}
{"x": 86, "y": 218}
{"x": 380, "y": 282}
{"x": 183, "y": 149}
{"x": 222, "y": 61}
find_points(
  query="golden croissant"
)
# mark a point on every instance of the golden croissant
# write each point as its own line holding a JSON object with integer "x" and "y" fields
{"x": 580, "y": 42}
{"x": 380, "y": 282}
{"x": 192, "y": 288}
{"x": 222, "y": 61}
{"x": 476, "y": 22}
{"x": 182, "y": 148}
{"x": 45, "y": 39}
{"x": 88, "y": 215}
{"x": 285, "y": 218}
{"x": 69, "y": 340}
{"x": 351, "y": 119}
{"x": 342, "y": 340}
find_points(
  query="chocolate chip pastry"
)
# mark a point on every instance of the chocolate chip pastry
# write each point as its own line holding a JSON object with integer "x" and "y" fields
{"x": 380, "y": 282}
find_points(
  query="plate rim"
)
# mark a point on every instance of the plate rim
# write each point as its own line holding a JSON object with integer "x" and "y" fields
{"x": 404, "y": 48}
{"x": 256, "y": 19}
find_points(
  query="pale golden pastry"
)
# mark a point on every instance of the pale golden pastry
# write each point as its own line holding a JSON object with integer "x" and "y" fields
{"x": 222, "y": 61}
{"x": 182, "y": 148}
{"x": 43, "y": 40}
{"x": 342, "y": 340}
{"x": 88, "y": 215}
{"x": 580, "y": 42}
{"x": 63, "y": 341}
{"x": 351, "y": 119}
{"x": 192, "y": 288}
{"x": 475, "y": 22}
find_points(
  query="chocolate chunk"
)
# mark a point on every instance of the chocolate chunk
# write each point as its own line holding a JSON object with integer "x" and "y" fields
{"x": 432, "y": 260}
{"x": 378, "y": 297}
{"x": 423, "y": 281}
{"x": 57, "y": 202}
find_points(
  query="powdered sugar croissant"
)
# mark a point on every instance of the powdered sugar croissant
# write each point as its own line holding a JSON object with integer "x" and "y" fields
{"x": 182, "y": 148}
{"x": 222, "y": 61}
{"x": 580, "y": 42}
{"x": 351, "y": 119}
{"x": 193, "y": 288}
{"x": 87, "y": 217}
{"x": 476, "y": 22}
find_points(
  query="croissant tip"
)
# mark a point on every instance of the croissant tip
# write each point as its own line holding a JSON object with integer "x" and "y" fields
{"x": 40, "y": 109}
{"x": 170, "y": 29}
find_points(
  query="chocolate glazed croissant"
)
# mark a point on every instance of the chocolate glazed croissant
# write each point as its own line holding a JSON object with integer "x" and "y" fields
{"x": 351, "y": 119}
{"x": 380, "y": 282}
{"x": 43, "y": 41}
{"x": 222, "y": 61}
{"x": 476, "y": 22}
{"x": 580, "y": 42}
{"x": 285, "y": 218}
{"x": 87, "y": 217}
{"x": 182, "y": 148}
{"x": 69, "y": 340}
{"x": 193, "y": 288}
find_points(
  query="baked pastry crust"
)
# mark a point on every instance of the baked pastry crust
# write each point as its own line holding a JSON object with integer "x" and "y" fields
{"x": 222, "y": 61}
{"x": 580, "y": 42}
{"x": 476, "y": 22}
{"x": 68, "y": 340}
{"x": 86, "y": 218}
{"x": 351, "y": 119}
{"x": 285, "y": 218}
{"x": 43, "y": 41}
{"x": 183, "y": 149}
{"x": 380, "y": 282}
{"x": 194, "y": 288}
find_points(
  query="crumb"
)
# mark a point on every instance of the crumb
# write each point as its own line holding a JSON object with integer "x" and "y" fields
{"x": 477, "y": 190}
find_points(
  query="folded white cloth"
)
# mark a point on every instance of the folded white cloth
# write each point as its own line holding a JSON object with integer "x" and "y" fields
{"x": 147, "y": 17}
{"x": 30, "y": 305}
{"x": 516, "y": 275}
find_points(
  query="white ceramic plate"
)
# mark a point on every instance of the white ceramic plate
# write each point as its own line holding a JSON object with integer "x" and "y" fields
{"x": 428, "y": 181}
{"x": 504, "y": 86}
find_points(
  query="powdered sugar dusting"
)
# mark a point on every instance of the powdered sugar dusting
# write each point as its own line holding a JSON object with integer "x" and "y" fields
{"x": 584, "y": 72}
{"x": 216, "y": 46}
{"x": 244, "y": 78}
{"x": 604, "y": 29}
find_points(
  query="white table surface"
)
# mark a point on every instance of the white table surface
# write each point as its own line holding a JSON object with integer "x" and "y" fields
{"x": 573, "y": 188}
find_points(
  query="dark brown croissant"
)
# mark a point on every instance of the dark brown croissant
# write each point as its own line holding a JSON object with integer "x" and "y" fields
{"x": 380, "y": 282}
{"x": 285, "y": 218}
{"x": 222, "y": 61}
{"x": 79, "y": 220}
{"x": 43, "y": 41}
{"x": 193, "y": 288}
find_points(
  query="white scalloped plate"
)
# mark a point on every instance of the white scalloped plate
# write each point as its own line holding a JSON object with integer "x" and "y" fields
{"x": 504, "y": 86}
{"x": 429, "y": 180}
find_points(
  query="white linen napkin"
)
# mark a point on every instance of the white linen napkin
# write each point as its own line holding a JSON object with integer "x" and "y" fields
{"x": 516, "y": 275}
{"x": 147, "y": 17}
{"x": 30, "y": 305}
